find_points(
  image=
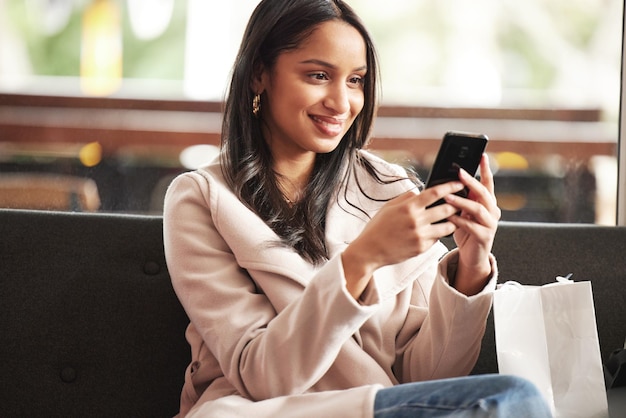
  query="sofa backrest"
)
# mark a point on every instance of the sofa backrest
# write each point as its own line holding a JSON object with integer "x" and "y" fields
{"x": 90, "y": 324}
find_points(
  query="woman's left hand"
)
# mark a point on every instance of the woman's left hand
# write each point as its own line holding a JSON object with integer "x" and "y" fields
{"x": 476, "y": 228}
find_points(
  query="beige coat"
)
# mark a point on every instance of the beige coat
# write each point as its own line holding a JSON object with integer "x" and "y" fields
{"x": 273, "y": 336}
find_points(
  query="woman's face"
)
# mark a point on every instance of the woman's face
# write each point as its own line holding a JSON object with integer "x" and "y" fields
{"x": 314, "y": 93}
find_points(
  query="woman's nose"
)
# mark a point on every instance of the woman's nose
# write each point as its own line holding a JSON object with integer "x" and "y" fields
{"x": 338, "y": 98}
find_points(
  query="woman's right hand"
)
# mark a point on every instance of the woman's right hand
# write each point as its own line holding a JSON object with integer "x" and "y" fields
{"x": 403, "y": 228}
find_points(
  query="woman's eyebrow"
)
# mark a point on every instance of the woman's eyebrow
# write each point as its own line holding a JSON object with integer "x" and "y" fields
{"x": 329, "y": 65}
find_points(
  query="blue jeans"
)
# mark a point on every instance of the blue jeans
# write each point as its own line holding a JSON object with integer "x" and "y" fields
{"x": 472, "y": 396}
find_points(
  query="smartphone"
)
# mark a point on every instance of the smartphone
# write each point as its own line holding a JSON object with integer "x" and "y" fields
{"x": 457, "y": 150}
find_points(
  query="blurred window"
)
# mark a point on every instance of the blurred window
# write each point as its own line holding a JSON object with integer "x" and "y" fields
{"x": 125, "y": 94}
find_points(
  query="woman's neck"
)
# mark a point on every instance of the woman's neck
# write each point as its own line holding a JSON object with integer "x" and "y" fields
{"x": 293, "y": 178}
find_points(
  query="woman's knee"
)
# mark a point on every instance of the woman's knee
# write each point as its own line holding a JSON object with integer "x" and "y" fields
{"x": 518, "y": 385}
{"x": 521, "y": 395}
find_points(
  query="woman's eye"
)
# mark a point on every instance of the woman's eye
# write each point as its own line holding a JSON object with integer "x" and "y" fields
{"x": 318, "y": 76}
{"x": 357, "y": 80}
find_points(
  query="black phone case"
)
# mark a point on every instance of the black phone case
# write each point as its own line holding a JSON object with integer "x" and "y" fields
{"x": 457, "y": 150}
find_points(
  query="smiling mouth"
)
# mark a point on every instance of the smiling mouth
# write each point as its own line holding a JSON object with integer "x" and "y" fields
{"x": 328, "y": 126}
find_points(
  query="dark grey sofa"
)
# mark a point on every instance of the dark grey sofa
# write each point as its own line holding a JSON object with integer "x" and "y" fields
{"x": 90, "y": 325}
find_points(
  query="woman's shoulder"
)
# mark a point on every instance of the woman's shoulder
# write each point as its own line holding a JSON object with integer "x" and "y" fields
{"x": 200, "y": 182}
{"x": 208, "y": 173}
{"x": 385, "y": 172}
{"x": 383, "y": 166}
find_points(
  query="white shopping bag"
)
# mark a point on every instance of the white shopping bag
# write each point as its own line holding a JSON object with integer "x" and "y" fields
{"x": 547, "y": 334}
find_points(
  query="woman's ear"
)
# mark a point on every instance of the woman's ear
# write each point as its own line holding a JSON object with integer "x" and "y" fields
{"x": 258, "y": 79}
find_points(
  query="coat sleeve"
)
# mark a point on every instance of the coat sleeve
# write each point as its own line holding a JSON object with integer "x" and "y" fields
{"x": 262, "y": 353}
{"x": 443, "y": 332}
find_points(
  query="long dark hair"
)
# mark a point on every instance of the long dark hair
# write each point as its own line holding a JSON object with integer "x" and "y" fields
{"x": 277, "y": 26}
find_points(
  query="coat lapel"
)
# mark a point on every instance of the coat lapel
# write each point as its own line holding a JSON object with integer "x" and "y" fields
{"x": 253, "y": 243}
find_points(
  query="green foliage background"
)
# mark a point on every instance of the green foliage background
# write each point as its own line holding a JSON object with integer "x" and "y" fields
{"x": 59, "y": 54}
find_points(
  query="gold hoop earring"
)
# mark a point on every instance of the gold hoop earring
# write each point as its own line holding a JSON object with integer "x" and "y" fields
{"x": 256, "y": 105}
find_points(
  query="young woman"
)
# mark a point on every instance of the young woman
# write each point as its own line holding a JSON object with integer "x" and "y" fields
{"x": 310, "y": 269}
